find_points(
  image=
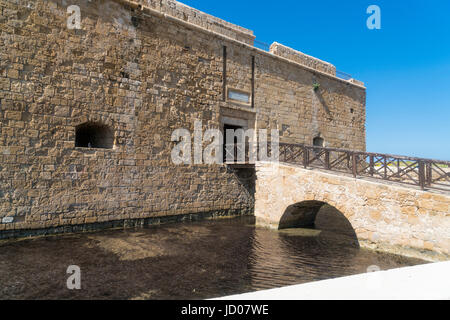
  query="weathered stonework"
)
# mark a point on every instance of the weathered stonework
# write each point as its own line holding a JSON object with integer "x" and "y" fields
{"x": 302, "y": 58}
{"x": 384, "y": 216}
{"x": 144, "y": 69}
{"x": 185, "y": 13}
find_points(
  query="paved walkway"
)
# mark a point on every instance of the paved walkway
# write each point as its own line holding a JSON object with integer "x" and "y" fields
{"x": 425, "y": 282}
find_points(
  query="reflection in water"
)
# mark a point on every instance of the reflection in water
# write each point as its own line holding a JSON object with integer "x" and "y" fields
{"x": 185, "y": 261}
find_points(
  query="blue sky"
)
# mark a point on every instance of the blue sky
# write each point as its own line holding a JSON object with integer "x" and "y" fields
{"x": 405, "y": 65}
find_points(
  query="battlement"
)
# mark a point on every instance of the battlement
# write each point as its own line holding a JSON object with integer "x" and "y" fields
{"x": 184, "y": 12}
{"x": 304, "y": 59}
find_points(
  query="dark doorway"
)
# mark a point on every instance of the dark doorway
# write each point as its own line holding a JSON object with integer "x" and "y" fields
{"x": 319, "y": 142}
{"x": 234, "y": 142}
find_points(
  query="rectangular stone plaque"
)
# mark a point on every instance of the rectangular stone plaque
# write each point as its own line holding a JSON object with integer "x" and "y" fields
{"x": 239, "y": 96}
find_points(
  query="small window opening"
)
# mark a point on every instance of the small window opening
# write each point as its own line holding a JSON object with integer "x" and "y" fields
{"x": 318, "y": 142}
{"x": 94, "y": 135}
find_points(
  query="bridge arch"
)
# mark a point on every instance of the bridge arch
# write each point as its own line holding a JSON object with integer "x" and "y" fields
{"x": 386, "y": 215}
{"x": 300, "y": 214}
{"x": 319, "y": 215}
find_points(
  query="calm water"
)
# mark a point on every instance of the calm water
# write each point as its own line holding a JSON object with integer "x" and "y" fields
{"x": 185, "y": 261}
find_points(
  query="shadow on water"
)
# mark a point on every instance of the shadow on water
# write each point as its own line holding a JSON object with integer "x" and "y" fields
{"x": 182, "y": 261}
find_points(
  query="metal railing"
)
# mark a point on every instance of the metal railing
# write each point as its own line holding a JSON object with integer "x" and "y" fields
{"x": 343, "y": 75}
{"x": 261, "y": 45}
{"x": 425, "y": 173}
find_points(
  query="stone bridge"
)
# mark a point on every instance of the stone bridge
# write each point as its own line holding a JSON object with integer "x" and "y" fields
{"x": 383, "y": 215}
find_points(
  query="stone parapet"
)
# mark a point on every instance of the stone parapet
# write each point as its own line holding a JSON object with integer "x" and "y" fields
{"x": 183, "y": 12}
{"x": 357, "y": 82}
{"x": 299, "y": 57}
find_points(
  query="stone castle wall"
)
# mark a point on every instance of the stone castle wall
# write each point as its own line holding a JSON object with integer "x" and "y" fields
{"x": 144, "y": 75}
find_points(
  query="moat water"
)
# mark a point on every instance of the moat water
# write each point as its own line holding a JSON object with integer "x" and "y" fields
{"x": 185, "y": 261}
